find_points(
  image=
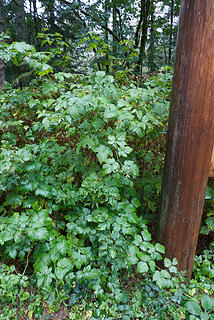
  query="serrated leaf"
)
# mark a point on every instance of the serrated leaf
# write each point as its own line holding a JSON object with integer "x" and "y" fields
{"x": 205, "y": 316}
{"x": 144, "y": 257}
{"x": 137, "y": 240}
{"x": 160, "y": 248}
{"x": 103, "y": 152}
{"x": 207, "y": 302}
{"x": 63, "y": 267}
{"x": 167, "y": 263}
{"x": 142, "y": 267}
{"x": 152, "y": 265}
{"x": 193, "y": 308}
{"x": 111, "y": 166}
{"x": 14, "y": 199}
{"x": 132, "y": 259}
{"x": 146, "y": 235}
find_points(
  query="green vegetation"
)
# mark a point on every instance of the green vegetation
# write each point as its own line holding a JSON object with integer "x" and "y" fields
{"x": 80, "y": 176}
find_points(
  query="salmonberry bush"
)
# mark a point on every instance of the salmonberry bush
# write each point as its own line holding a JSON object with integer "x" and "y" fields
{"x": 80, "y": 176}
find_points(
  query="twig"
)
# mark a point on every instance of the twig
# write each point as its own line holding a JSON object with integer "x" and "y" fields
{"x": 26, "y": 263}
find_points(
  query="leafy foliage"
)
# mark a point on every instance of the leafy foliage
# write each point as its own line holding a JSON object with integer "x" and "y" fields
{"x": 76, "y": 153}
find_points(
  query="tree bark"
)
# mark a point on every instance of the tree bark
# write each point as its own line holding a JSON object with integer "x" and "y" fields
{"x": 171, "y": 30}
{"x": 190, "y": 134}
{"x": 106, "y": 34}
{"x": 151, "y": 49}
{"x": 35, "y": 17}
{"x": 51, "y": 16}
{"x": 115, "y": 32}
{"x": 146, "y": 6}
{"x": 2, "y": 66}
{"x": 20, "y": 21}
{"x": 114, "y": 26}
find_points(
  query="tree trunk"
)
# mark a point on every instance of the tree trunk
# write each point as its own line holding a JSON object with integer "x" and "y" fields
{"x": 51, "y": 18}
{"x": 190, "y": 134}
{"x": 114, "y": 26}
{"x": 106, "y": 34}
{"x": 2, "y": 66}
{"x": 151, "y": 50}
{"x": 171, "y": 30}
{"x": 20, "y": 21}
{"x": 35, "y": 17}
{"x": 115, "y": 32}
{"x": 146, "y": 6}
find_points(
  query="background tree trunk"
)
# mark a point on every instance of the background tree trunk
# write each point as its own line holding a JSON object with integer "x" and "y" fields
{"x": 190, "y": 134}
{"x": 171, "y": 30}
{"x": 146, "y": 7}
{"x": 106, "y": 33}
{"x": 20, "y": 21}
{"x": 115, "y": 32}
{"x": 51, "y": 16}
{"x": 151, "y": 49}
{"x": 2, "y": 66}
{"x": 35, "y": 17}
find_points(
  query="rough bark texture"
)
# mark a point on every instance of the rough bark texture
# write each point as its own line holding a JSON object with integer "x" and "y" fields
{"x": 190, "y": 133}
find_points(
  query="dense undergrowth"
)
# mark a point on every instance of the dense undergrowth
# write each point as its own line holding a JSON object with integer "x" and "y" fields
{"x": 80, "y": 176}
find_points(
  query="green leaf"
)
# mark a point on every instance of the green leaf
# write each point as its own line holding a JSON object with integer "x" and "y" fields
{"x": 22, "y": 47}
{"x": 100, "y": 74}
{"x": 132, "y": 259}
{"x": 209, "y": 193}
{"x": 152, "y": 265}
{"x": 25, "y": 296}
{"x": 111, "y": 166}
{"x": 63, "y": 267}
{"x": 146, "y": 235}
{"x": 130, "y": 168}
{"x": 110, "y": 112}
{"x": 161, "y": 281}
{"x": 193, "y": 308}
{"x": 14, "y": 199}
{"x": 160, "y": 248}
{"x": 142, "y": 267}
{"x": 103, "y": 153}
{"x": 137, "y": 240}
{"x": 207, "y": 302}
{"x": 144, "y": 257}
{"x": 167, "y": 263}
{"x": 74, "y": 299}
{"x": 204, "y": 316}
{"x": 210, "y": 223}
{"x": 43, "y": 190}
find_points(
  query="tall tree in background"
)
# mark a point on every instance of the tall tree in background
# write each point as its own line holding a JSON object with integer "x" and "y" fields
{"x": 151, "y": 48}
{"x": 2, "y": 66}
{"x": 171, "y": 29}
{"x": 20, "y": 22}
{"x": 35, "y": 17}
{"x": 50, "y": 11}
{"x": 143, "y": 26}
